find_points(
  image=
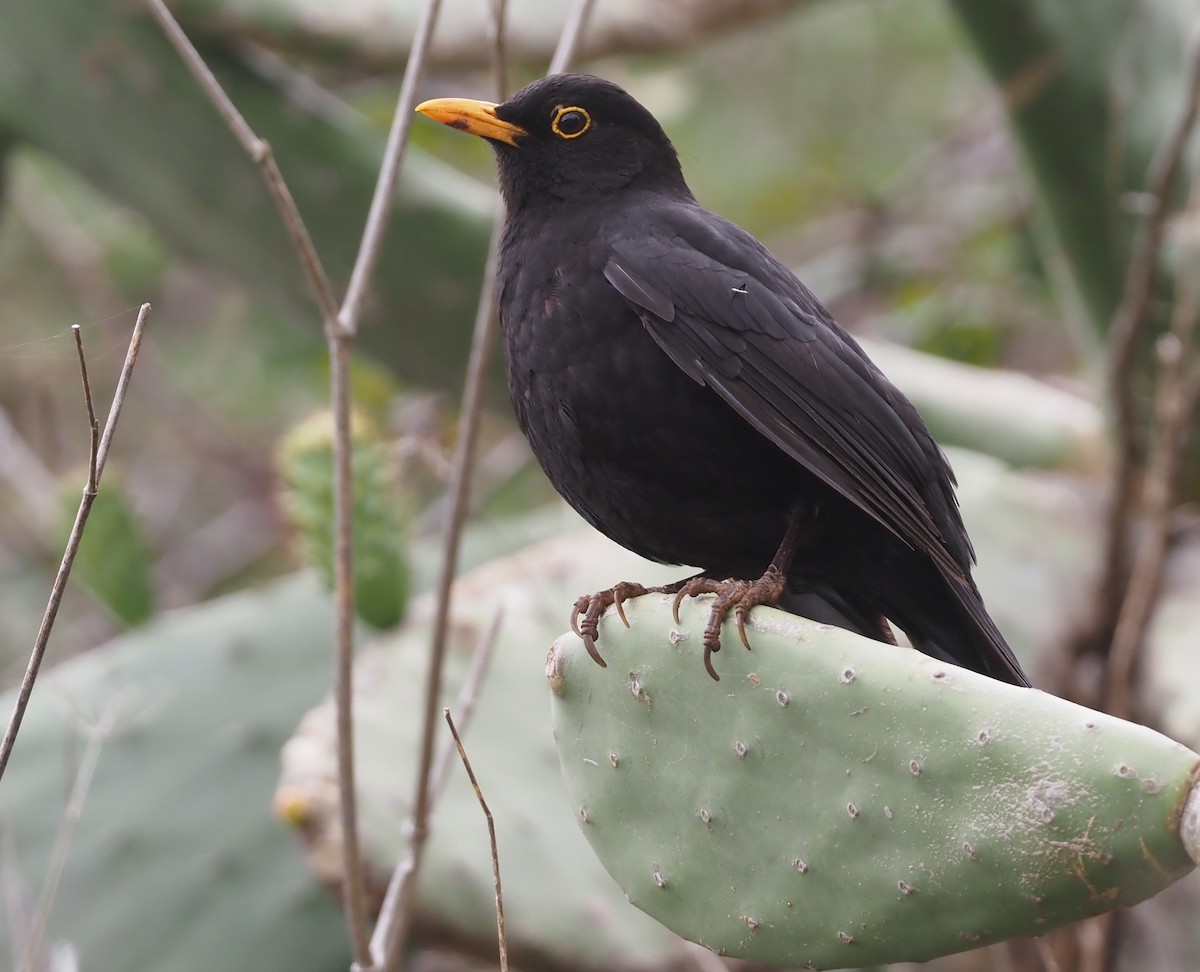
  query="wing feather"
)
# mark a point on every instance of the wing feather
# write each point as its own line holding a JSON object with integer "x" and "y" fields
{"x": 767, "y": 346}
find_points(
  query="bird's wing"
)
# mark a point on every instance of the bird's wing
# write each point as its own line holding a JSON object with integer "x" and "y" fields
{"x": 734, "y": 318}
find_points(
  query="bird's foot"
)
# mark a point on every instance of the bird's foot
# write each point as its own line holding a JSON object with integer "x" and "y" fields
{"x": 585, "y": 615}
{"x": 740, "y": 595}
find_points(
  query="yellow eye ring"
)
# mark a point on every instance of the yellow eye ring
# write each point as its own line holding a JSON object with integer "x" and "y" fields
{"x": 570, "y": 121}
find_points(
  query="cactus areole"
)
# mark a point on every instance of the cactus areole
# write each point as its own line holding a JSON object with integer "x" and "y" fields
{"x": 837, "y": 802}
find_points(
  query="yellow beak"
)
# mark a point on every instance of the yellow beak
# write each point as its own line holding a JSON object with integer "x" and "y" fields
{"x": 473, "y": 117}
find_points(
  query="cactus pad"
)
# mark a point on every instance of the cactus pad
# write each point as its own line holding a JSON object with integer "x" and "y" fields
{"x": 836, "y": 802}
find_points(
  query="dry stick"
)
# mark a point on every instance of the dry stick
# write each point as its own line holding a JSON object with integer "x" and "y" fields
{"x": 390, "y": 936}
{"x": 491, "y": 826}
{"x": 1175, "y": 404}
{"x": 340, "y": 327}
{"x": 396, "y": 902}
{"x": 1128, "y": 330}
{"x": 568, "y": 41}
{"x": 93, "y": 424}
{"x": 260, "y": 152}
{"x": 341, "y": 338}
{"x": 385, "y": 185}
{"x": 468, "y": 697}
{"x": 97, "y": 457}
{"x": 460, "y": 481}
{"x": 389, "y": 939}
{"x": 497, "y": 29}
{"x": 354, "y": 902}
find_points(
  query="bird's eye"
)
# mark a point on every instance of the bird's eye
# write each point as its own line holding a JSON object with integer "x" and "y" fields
{"x": 570, "y": 121}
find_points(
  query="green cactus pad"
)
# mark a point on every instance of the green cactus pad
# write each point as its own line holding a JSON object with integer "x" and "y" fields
{"x": 305, "y": 462}
{"x": 835, "y": 802}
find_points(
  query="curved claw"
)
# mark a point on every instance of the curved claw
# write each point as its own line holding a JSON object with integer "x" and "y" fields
{"x": 581, "y": 605}
{"x": 741, "y": 614}
{"x": 618, "y": 602}
{"x": 590, "y": 644}
{"x": 679, "y": 596}
{"x": 708, "y": 665}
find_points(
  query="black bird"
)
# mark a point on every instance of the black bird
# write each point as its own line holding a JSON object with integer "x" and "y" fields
{"x": 694, "y": 401}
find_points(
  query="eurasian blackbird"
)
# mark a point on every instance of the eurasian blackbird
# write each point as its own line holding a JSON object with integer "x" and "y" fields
{"x": 694, "y": 401}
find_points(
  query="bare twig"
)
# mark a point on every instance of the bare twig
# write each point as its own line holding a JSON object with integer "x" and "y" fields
{"x": 1128, "y": 334}
{"x": 397, "y": 900}
{"x": 398, "y": 917}
{"x": 391, "y": 940}
{"x": 491, "y": 826}
{"x": 260, "y": 152}
{"x": 385, "y": 185}
{"x": 568, "y": 41}
{"x": 118, "y": 399}
{"x": 460, "y": 488}
{"x": 1175, "y": 406}
{"x": 93, "y": 425}
{"x": 468, "y": 695}
{"x": 497, "y": 33}
{"x": 340, "y": 327}
{"x": 98, "y": 455}
{"x": 341, "y": 337}
{"x": 353, "y": 883}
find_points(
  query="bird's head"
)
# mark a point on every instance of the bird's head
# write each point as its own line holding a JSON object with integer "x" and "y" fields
{"x": 567, "y": 137}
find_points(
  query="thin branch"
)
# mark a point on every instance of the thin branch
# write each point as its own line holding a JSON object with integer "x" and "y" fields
{"x": 390, "y": 937}
{"x": 460, "y": 490}
{"x": 397, "y": 900}
{"x": 340, "y": 338}
{"x": 491, "y": 826}
{"x": 497, "y": 32}
{"x": 340, "y": 326}
{"x": 353, "y": 881}
{"x": 93, "y": 424}
{"x": 468, "y": 696}
{"x": 568, "y": 41}
{"x": 1175, "y": 407}
{"x": 1128, "y": 334}
{"x": 260, "y": 152}
{"x": 97, "y": 457}
{"x": 118, "y": 399}
{"x": 385, "y": 185}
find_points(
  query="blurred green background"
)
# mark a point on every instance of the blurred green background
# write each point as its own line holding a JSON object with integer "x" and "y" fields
{"x": 859, "y": 139}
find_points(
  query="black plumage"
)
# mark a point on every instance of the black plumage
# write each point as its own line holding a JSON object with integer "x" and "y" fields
{"x": 694, "y": 401}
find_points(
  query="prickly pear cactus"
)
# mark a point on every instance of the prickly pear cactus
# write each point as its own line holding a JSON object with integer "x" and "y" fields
{"x": 837, "y": 802}
{"x": 381, "y": 575}
{"x": 177, "y": 816}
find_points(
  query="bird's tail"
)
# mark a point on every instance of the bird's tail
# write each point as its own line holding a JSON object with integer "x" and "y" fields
{"x": 942, "y": 617}
{"x": 953, "y": 624}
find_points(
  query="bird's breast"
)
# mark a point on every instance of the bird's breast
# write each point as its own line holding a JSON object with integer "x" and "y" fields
{"x": 609, "y": 415}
